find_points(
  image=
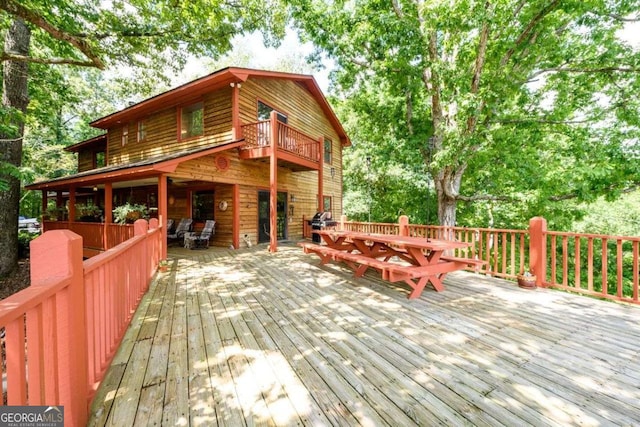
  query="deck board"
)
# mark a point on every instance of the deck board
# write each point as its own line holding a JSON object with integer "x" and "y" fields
{"x": 252, "y": 338}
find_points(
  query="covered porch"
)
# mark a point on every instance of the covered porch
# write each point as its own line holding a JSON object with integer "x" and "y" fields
{"x": 249, "y": 337}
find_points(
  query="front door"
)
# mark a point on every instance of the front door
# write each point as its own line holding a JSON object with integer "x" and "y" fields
{"x": 264, "y": 211}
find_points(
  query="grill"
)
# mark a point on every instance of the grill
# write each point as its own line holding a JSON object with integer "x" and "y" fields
{"x": 319, "y": 221}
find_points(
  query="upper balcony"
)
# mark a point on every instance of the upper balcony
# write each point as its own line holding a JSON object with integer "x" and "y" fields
{"x": 295, "y": 150}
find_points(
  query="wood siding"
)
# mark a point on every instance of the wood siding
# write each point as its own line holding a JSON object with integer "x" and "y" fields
{"x": 85, "y": 161}
{"x": 162, "y": 131}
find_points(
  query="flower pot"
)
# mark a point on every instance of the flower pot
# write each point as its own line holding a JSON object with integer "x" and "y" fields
{"x": 527, "y": 282}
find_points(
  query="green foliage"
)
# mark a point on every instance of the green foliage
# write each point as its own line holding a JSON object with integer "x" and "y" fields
{"x": 24, "y": 239}
{"x": 129, "y": 213}
{"x": 536, "y": 121}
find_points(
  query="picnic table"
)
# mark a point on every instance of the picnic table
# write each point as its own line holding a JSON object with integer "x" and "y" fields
{"x": 413, "y": 260}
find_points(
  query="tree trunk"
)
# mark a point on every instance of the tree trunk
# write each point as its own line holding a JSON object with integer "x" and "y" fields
{"x": 447, "y": 182}
{"x": 446, "y": 209}
{"x": 15, "y": 99}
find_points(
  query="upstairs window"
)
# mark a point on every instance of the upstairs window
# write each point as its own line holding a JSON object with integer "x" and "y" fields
{"x": 191, "y": 121}
{"x": 328, "y": 151}
{"x": 264, "y": 113}
{"x": 142, "y": 130}
{"x": 98, "y": 159}
{"x": 125, "y": 135}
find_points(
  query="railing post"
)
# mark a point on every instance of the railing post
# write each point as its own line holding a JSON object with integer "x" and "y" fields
{"x": 403, "y": 221}
{"x": 58, "y": 254}
{"x": 343, "y": 222}
{"x": 156, "y": 247}
{"x": 538, "y": 249}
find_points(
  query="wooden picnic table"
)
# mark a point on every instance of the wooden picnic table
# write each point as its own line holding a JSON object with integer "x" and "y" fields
{"x": 413, "y": 260}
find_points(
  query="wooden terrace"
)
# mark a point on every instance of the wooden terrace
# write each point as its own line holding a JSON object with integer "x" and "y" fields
{"x": 249, "y": 337}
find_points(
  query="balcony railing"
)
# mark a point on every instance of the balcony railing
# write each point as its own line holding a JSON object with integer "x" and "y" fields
{"x": 289, "y": 139}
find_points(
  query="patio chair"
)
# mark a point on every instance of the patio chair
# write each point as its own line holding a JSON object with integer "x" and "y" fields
{"x": 183, "y": 227}
{"x": 201, "y": 241}
{"x": 170, "y": 224}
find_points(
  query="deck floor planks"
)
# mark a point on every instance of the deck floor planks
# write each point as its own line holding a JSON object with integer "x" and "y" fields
{"x": 510, "y": 355}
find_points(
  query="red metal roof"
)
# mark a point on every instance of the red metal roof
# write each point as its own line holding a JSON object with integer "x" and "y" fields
{"x": 211, "y": 82}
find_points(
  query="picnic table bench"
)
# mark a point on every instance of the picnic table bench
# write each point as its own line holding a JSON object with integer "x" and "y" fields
{"x": 415, "y": 261}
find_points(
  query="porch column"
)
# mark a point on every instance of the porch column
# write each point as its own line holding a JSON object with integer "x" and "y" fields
{"x": 44, "y": 203}
{"x": 72, "y": 204}
{"x": 163, "y": 213}
{"x": 320, "y": 174}
{"x": 236, "y": 216}
{"x": 59, "y": 203}
{"x": 235, "y": 111}
{"x": 273, "y": 181}
{"x": 108, "y": 213}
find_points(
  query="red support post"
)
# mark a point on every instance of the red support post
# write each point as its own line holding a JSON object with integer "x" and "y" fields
{"x": 45, "y": 203}
{"x": 403, "y": 222}
{"x": 163, "y": 212}
{"x": 320, "y": 175}
{"x": 273, "y": 185}
{"x": 538, "y": 249}
{"x": 108, "y": 213}
{"x": 58, "y": 253}
{"x": 72, "y": 204}
{"x": 236, "y": 216}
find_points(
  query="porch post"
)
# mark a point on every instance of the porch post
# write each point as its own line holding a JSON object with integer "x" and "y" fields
{"x": 235, "y": 111}
{"x": 163, "y": 213}
{"x": 320, "y": 174}
{"x": 538, "y": 249}
{"x": 236, "y": 216}
{"x": 59, "y": 203}
{"x": 273, "y": 185}
{"x": 44, "y": 204}
{"x": 108, "y": 213}
{"x": 72, "y": 204}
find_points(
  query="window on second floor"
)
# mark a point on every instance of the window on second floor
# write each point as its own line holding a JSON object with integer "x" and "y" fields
{"x": 328, "y": 151}
{"x": 142, "y": 130}
{"x": 264, "y": 113}
{"x": 125, "y": 135}
{"x": 98, "y": 159}
{"x": 192, "y": 120}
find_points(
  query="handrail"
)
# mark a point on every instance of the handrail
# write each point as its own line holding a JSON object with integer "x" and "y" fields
{"x": 62, "y": 332}
{"x": 290, "y": 139}
{"x": 591, "y": 264}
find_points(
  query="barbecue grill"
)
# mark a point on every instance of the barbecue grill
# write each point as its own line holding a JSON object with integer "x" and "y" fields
{"x": 319, "y": 221}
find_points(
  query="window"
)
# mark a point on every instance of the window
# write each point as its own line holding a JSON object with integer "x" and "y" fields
{"x": 191, "y": 121}
{"x": 264, "y": 113}
{"x": 202, "y": 205}
{"x": 326, "y": 203}
{"x": 328, "y": 151}
{"x": 142, "y": 130}
{"x": 125, "y": 135}
{"x": 98, "y": 159}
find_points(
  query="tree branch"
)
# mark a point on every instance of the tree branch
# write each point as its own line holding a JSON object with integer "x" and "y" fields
{"x": 16, "y": 9}
{"x": 479, "y": 197}
{"x": 479, "y": 66}
{"x": 524, "y": 36}
{"x": 628, "y": 189}
{"x": 4, "y": 56}
{"x": 622, "y": 18}
{"x": 397, "y": 9}
{"x": 586, "y": 70}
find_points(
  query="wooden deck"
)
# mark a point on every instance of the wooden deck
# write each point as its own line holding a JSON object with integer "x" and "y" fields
{"x": 251, "y": 338}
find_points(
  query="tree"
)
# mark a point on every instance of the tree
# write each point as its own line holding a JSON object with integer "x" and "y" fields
{"x": 147, "y": 37}
{"x": 531, "y": 102}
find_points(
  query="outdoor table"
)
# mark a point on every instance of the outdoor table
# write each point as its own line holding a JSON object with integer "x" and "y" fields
{"x": 425, "y": 260}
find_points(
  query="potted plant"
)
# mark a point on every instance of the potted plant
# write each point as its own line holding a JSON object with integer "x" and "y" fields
{"x": 129, "y": 213}
{"x": 527, "y": 280}
{"x": 163, "y": 265}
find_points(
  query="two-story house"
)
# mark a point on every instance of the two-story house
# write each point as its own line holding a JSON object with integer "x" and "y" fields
{"x": 253, "y": 150}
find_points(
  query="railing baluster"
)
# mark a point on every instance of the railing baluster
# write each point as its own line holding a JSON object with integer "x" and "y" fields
{"x": 605, "y": 278}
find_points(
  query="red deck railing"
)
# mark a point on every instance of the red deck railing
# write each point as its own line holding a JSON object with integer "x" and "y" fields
{"x": 289, "y": 139}
{"x": 93, "y": 233}
{"x": 592, "y": 264}
{"x": 62, "y": 332}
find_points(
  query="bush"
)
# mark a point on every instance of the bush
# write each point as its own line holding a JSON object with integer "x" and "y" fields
{"x": 24, "y": 238}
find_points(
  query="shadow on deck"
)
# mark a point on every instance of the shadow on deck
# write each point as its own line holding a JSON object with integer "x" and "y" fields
{"x": 247, "y": 337}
